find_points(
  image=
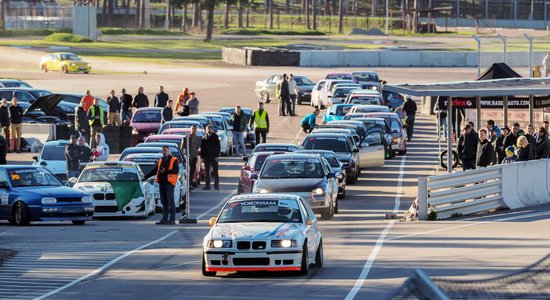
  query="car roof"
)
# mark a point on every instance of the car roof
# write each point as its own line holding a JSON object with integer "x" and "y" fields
{"x": 10, "y": 167}
{"x": 365, "y": 92}
{"x": 370, "y": 106}
{"x": 23, "y": 89}
{"x": 148, "y": 154}
{"x": 293, "y": 155}
{"x": 166, "y": 136}
{"x": 314, "y": 151}
{"x": 275, "y": 196}
{"x": 389, "y": 114}
{"x": 326, "y": 134}
{"x": 156, "y": 144}
{"x": 10, "y": 80}
{"x": 371, "y": 72}
{"x": 61, "y": 53}
{"x": 344, "y": 104}
{"x": 112, "y": 163}
{"x": 276, "y": 144}
{"x": 56, "y": 143}
{"x": 142, "y": 149}
{"x": 150, "y": 108}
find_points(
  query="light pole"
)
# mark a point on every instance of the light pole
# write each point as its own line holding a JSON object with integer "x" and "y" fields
{"x": 387, "y": 16}
{"x": 504, "y": 42}
{"x": 478, "y": 40}
{"x": 530, "y": 39}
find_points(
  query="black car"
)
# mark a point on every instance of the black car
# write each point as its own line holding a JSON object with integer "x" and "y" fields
{"x": 45, "y": 110}
{"x": 61, "y": 110}
{"x": 346, "y": 152}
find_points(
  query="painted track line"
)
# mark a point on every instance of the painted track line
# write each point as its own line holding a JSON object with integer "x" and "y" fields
{"x": 380, "y": 242}
{"x": 218, "y": 205}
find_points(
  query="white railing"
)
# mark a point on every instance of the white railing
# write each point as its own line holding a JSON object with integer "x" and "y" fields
{"x": 512, "y": 186}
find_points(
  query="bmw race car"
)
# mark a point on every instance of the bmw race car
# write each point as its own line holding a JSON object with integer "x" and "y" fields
{"x": 263, "y": 232}
{"x": 116, "y": 189}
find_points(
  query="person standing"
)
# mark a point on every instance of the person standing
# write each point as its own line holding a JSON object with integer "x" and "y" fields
{"x": 85, "y": 154}
{"x": 126, "y": 100}
{"x": 467, "y": 148}
{"x": 182, "y": 109}
{"x": 485, "y": 152}
{"x": 194, "y": 146}
{"x": 308, "y": 122}
{"x": 260, "y": 121}
{"x": 524, "y": 149}
{"x": 491, "y": 126}
{"x": 3, "y": 150}
{"x": 140, "y": 100}
{"x": 5, "y": 119}
{"x": 293, "y": 91}
{"x": 16, "y": 119}
{"x": 210, "y": 152}
{"x": 543, "y": 144}
{"x": 499, "y": 145}
{"x": 113, "y": 116}
{"x": 166, "y": 172}
{"x": 88, "y": 100}
{"x": 280, "y": 101}
{"x": 510, "y": 156}
{"x": 238, "y": 120}
{"x": 193, "y": 104}
{"x": 81, "y": 122}
{"x": 96, "y": 117}
{"x": 161, "y": 98}
{"x": 440, "y": 109}
{"x": 72, "y": 157}
{"x": 532, "y": 139}
{"x": 285, "y": 97}
{"x": 184, "y": 95}
{"x": 410, "y": 109}
{"x": 168, "y": 112}
{"x": 546, "y": 64}
{"x": 101, "y": 151}
{"x": 510, "y": 139}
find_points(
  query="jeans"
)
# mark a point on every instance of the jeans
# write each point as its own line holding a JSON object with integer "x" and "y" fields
{"x": 410, "y": 126}
{"x": 238, "y": 142}
{"x": 211, "y": 163}
{"x": 73, "y": 173}
{"x": 167, "y": 200}
{"x": 261, "y": 133}
{"x": 193, "y": 169}
{"x": 293, "y": 103}
{"x": 126, "y": 115}
{"x": 469, "y": 164}
{"x": 443, "y": 126}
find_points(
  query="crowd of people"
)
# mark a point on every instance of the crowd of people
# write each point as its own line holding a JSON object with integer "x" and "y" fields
{"x": 493, "y": 145}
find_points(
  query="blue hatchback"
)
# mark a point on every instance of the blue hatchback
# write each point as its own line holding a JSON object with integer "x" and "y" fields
{"x": 32, "y": 193}
{"x": 336, "y": 112}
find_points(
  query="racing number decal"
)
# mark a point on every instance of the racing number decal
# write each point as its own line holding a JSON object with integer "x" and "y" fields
{"x": 4, "y": 197}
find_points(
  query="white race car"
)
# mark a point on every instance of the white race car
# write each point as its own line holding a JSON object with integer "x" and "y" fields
{"x": 117, "y": 190}
{"x": 263, "y": 232}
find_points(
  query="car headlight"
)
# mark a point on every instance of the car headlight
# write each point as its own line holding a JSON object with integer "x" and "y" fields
{"x": 374, "y": 88}
{"x": 86, "y": 199}
{"x": 49, "y": 200}
{"x": 89, "y": 65}
{"x": 283, "y": 243}
{"x": 318, "y": 191}
{"x": 220, "y": 244}
{"x": 72, "y": 64}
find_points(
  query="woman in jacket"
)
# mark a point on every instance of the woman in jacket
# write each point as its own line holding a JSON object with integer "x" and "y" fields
{"x": 101, "y": 152}
{"x": 524, "y": 149}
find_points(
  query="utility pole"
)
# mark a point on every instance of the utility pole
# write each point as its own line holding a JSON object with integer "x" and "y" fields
{"x": 530, "y": 39}
{"x": 504, "y": 44}
{"x": 478, "y": 40}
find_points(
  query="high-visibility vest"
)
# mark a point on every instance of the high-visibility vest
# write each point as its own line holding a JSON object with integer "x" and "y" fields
{"x": 260, "y": 121}
{"x": 172, "y": 178}
{"x": 100, "y": 115}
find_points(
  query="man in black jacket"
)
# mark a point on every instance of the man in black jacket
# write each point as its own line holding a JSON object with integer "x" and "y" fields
{"x": 5, "y": 119}
{"x": 161, "y": 98}
{"x": 81, "y": 122}
{"x": 113, "y": 115}
{"x": 210, "y": 151}
{"x": 485, "y": 152}
{"x": 126, "y": 101}
{"x": 72, "y": 157}
{"x": 168, "y": 112}
{"x": 141, "y": 100}
{"x": 3, "y": 150}
{"x": 543, "y": 144}
{"x": 285, "y": 97}
{"x": 410, "y": 109}
{"x": 16, "y": 119}
{"x": 467, "y": 148}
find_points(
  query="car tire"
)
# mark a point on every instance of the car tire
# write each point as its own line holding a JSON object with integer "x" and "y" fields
{"x": 204, "y": 272}
{"x": 264, "y": 96}
{"x": 21, "y": 214}
{"x": 64, "y": 69}
{"x": 79, "y": 222}
{"x": 304, "y": 270}
{"x": 44, "y": 68}
{"x": 319, "y": 257}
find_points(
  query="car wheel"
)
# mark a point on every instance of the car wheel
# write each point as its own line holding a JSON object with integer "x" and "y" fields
{"x": 319, "y": 260}
{"x": 44, "y": 68}
{"x": 79, "y": 222}
{"x": 21, "y": 214}
{"x": 64, "y": 69}
{"x": 204, "y": 272}
{"x": 264, "y": 96}
{"x": 305, "y": 261}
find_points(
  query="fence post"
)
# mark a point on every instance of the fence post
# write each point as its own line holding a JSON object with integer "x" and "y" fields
{"x": 423, "y": 198}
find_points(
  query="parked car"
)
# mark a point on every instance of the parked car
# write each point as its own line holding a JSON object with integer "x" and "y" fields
{"x": 364, "y": 97}
{"x": 146, "y": 121}
{"x": 267, "y": 232}
{"x": 202, "y": 120}
{"x": 265, "y": 89}
{"x": 52, "y": 157}
{"x": 13, "y": 83}
{"x": 23, "y": 94}
{"x": 65, "y": 62}
{"x": 117, "y": 189}
{"x": 369, "y": 123}
{"x": 32, "y": 193}
{"x": 275, "y": 147}
{"x": 339, "y": 93}
{"x": 335, "y": 165}
{"x": 399, "y": 135}
{"x": 367, "y": 79}
{"x": 336, "y": 112}
{"x": 252, "y": 166}
{"x": 179, "y": 124}
{"x": 304, "y": 175}
{"x": 150, "y": 148}
{"x": 47, "y": 109}
{"x": 342, "y": 76}
{"x": 322, "y": 100}
{"x": 368, "y": 108}
{"x": 393, "y": 100}
{"x": 168, "y": 138}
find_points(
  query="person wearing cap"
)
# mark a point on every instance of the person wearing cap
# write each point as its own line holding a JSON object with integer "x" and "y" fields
{"x": 510, "y": 156}
{"x": 467, "y": 148}
{"x": 410, "y": 109}
{"x": 72, "y": 157}
{"x": 193, "y": 104}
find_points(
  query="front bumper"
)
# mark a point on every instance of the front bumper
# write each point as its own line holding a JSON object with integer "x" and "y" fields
{"x": 78, "y": 68}
{"x": 61, "y": 212}
{"x": 232, "y": 260}
{"x": 304, "y": 97}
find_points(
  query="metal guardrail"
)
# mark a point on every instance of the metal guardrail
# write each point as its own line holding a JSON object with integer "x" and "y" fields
{"x": 514, "y": 185}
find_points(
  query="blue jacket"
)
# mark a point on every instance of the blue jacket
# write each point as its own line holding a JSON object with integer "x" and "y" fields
{"x": 309, "y": 119}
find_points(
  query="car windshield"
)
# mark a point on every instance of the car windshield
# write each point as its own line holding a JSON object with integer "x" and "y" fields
{"x": 336, "y": 144}
{"x": 285, "y": 211}
{"x": 147, "y": 116}
{"x": 39, "y": 93}
{"x": 259, "y": 163}
{"x": 339, "y": 76}
{"x": 51, "y": 152}
{"x": 108, "y": 173}
{"x": 15, "y": 84}
{"x": 373, "y": 100}
{"x": 146, "y": 164}
{"x": 300, "y": 81}
{"x": 360, "y": 76}
{"x": 376, "y": 124}
{"x": 330, "y": 157}
{"x": 342, "y": 110}
{"x": 292, "y": 168}
{"x": 69, "y": 57}
{"x": 32, "y": 177}
{"x": 343, "y": 92}
{"x": 268, "y": 148}
{"x": 367, "y": 109}
{"x": 217, "y": 123}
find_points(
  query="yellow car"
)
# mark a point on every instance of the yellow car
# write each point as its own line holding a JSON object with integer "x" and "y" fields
{"x": 65, "y": 62}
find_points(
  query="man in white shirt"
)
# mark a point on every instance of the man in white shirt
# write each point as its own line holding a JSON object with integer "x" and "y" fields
{"x": 293, "y": 90}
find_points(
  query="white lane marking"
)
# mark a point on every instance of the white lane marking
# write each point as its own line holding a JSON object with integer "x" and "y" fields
{"x": 539, "y": 214}
{"x": 217, "y": 206}
{"x": 296, "y": 137}
{"x": 380, "y": 242}
{"x": 143, "y": 271}
{"x": 105, "y": 266}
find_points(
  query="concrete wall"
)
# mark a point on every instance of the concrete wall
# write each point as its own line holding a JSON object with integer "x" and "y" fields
{"x": 85, "y": 21}
{"x": 234, "y": 56}
{"x": 526, "y": 24}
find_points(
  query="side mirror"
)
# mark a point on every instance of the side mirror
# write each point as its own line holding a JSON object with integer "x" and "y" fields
{"x": 339, "y": 176}
{"x": 4, "y": 185}
{"x": 245, "y": 158}
{"x": 355, "y": 149}
{"x": 212, "y": 221}
{"x": 247, "y": 168}
{"x": 73, "y": 180}
{"x": 309, "y": 222}
{"x": 331, "y": 175}
{"x": 35, "y": 158}
{"x": 254, "y": 176}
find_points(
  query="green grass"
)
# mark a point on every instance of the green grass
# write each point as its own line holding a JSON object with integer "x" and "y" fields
{"x": 31, "y": 32}
{"x": 131, "y": 31}
{"x": 66, "y": 37}
{"x": 258, "y": 31}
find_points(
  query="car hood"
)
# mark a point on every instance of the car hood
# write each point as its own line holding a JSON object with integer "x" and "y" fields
{"x": 255, "y": 231}
{"x": 88, "y": 187}
{"x": 147, "y": 127}
{"x": 290, "y": 185}
{"x": 51, "y": 191}
{"x": 305, "y": 88}
{"x": 343, "y": 156}
{"x": 47, "y": 104}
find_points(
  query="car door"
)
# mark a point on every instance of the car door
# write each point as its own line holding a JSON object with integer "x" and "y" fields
{"x": 271, "y": 85}
{"x": 315, "y": 93}
{"x": 312, "y": 231}
{"x": 55, "y": 62}
{"x": 332, "y": 181}
{"x": 5, "y": 208}
{"x": 372, "y": 149}
{"x": 246, "y": 171}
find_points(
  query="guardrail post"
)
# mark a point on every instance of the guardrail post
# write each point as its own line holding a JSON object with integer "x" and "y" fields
{"x": 422, "y": 198}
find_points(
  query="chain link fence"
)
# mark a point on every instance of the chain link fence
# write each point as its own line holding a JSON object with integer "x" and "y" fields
{"x": 37, "y": 15}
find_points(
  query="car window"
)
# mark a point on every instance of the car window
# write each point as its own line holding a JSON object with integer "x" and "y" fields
{"x": 24, "y": 96}
{"x": 292, "y": 168}
{"x": 53, "y": 152}
{"x": 147, "y": 116}
{"x": 365, "y": 100}
{"x": 339, "y": 76}
{"x": 336, "y": 144}
{"x": 39, "y": 93}
{"x": 108, "y": 173}
{"x": 363, "y": 76}
{"x": 69, "y": 57}
{"x": 32, "y": 177}
{"x": 373, "y": 139}
{"x": 308, "y": 212}
{"x": 286, "y": 211}
{"x": 342, "y": 110}
{"x": 259, "y": 162}
{"x": 321, "y": 85}
{"x": 395, "y": 125}
{"x": 300, "y": 81}
{"x": 274, "y": 79}
{"x": 145, "y": 163}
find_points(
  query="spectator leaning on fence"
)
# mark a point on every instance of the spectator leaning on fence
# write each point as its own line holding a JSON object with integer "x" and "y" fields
{"x": 524, "y": 149}
{"x": 485, "y": 152}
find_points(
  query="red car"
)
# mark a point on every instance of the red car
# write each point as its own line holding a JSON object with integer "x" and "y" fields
{"x": 253, "y": 165}
{"x": 146, "y": 121}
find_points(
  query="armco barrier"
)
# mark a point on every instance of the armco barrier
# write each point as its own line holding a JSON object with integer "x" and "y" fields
{"x": 521, "y": 184}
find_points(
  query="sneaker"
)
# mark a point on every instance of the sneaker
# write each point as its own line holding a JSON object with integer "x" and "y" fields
{"x": 161, "y": 222}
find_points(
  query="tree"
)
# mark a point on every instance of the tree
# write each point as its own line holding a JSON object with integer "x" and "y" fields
{"x": 209, "y": 6}
{"x": 341, "y": 17}
{"x": 314, "y": 8}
